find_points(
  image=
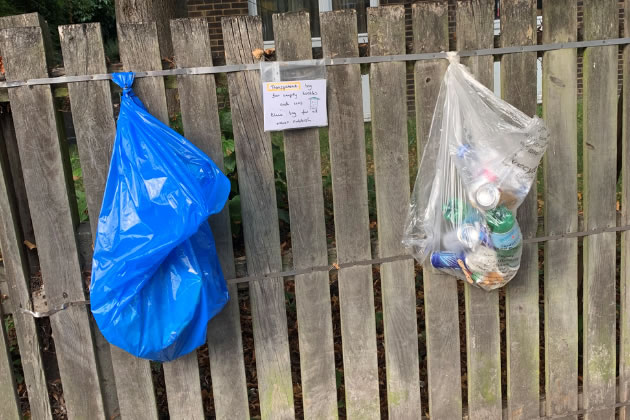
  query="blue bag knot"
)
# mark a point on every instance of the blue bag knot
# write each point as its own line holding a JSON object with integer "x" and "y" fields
{"x": 124, "y": 80}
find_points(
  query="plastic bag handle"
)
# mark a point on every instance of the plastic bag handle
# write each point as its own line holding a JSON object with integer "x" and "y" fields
{"x": 452, "y": 57}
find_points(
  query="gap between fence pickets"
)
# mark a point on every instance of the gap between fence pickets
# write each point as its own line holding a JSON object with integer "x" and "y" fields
{"x": 327, "y": 61}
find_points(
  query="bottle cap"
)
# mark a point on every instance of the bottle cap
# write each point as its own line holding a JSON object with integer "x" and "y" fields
{"x": 500, "y": 220}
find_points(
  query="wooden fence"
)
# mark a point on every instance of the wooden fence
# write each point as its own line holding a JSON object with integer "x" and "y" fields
{"x": 547, "y": 312}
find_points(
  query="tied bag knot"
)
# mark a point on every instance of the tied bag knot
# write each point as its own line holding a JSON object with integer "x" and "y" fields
{"x": 125, "y": 81}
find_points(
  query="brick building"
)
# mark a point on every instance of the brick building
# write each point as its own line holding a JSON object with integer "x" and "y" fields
{"x": 214, "y": 10}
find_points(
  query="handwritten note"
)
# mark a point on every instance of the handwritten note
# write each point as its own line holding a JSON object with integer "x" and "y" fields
{"x": 297, "y": 104}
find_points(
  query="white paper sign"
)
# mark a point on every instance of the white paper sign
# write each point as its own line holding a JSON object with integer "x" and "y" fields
{"x": 296, "y": 104}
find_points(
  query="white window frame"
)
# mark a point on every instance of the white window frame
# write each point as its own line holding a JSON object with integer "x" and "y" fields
{"x": 324, "y": 6}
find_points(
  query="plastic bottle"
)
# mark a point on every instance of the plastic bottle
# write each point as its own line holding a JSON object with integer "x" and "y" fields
{"x": 506, "y": 237}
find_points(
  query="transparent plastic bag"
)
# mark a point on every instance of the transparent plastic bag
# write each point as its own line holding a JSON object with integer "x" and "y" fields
{"x": 478, "y": 166}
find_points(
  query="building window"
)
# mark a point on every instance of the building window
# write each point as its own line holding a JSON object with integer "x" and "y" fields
{"x": 361, "y": 8}
{"x": 266, "y": 8}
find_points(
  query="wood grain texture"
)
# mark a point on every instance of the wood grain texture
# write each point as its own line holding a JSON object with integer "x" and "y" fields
{"x": 308, "y": 239}
{"x": 26, "y": 225}
{"x": 93, "y": 119}
{"x": 518, "y": 87}
{"x": 254, "y": 160}
{"x": 8, "y": 395}
{"x": 474, "y": 26}
{"x": 599, "y": 154}
{"x": 430, "y": 29}
{"x": 141, "y": 53}
{"x": 19, "y": 261}
{"x": 17, "y": 276}
{"x": 624, "y": 285}
{"x": 45, "y": 163}
{"x": 8, "y": 132}
{"x": 430, "y": 34}
{"x": 92, "y": 111}
{"x": 31, "y": 19}
{"x": 386, "y": 35}
{"x": 139, "y": 50}
{"x": 560, "y": 174}
{"x": 24, "y": 20}
{"x": 183, "y": 388}
{"x": 352, "y": 234}
{"x": 200, "y": 120}
{"x": 483, "y": 345}
{"x": 146, "y": 11}
{"x": 134, "y": 385}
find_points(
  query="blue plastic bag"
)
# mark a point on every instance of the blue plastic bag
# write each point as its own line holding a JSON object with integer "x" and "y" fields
{"x": 156, "y": 278}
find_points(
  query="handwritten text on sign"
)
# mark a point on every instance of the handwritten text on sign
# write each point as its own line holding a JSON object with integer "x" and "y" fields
{"x": 296, "y": 104}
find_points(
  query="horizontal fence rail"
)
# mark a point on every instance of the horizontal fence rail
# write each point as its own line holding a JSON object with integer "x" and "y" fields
{"x": 231, "y": 68}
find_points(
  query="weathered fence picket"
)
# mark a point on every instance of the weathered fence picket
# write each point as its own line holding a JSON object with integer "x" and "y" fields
{"x": 18, "y": 274}
{"x": 600, "y": 180}
{"x": 197, "y": 94}
{"x": 561, "y": 211}
{"x": 430, "y": 28}
{"x": 8, "y": 133}
{"x": 45, "y": 163}
{"x": 241, "y": 36}
{"x": 386, "y": 35}
{"x": 19, "y": 261}
{"x": 518, "y": 87}
{"x": 94, "y": 126}
{"x": 350, "y": 200}
{"x": 103, "y": 381}
{"x": 309, "y": 247}
{"x": 483, "y": 346}
{"x": 19, "y": 190}
{"x": 16, "y": 269}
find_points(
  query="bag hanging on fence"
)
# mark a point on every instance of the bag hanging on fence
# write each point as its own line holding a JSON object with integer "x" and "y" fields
{"x": 156, "y": 278}
{"x": 478, "y": 166}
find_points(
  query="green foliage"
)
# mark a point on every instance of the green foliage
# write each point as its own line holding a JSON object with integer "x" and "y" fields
{"x": 79, "y": 190}
{"x": 8, "y": 8}
{"x": 111, "y": 49}
{"x": 290, "y": 303}
{"x": 176, "y": 124}
{"x": 65, "y": 12}
{"x": 378, "y": 318}
{"x": 9, "y": 326}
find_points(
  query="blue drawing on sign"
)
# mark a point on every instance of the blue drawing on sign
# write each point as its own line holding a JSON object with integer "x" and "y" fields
{"x": 314, "y": 103}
